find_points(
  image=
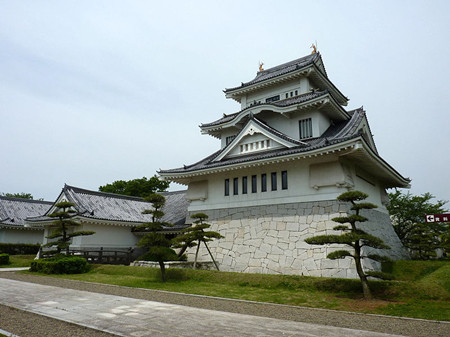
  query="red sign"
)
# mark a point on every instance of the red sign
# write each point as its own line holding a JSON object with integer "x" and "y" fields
{"x": 437, "y": 218}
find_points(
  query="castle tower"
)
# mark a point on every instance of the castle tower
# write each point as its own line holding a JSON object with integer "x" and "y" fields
{"x": 285, "y": 156}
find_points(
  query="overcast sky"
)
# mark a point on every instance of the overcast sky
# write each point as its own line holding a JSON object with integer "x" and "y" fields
{"x": 97, "y": 91}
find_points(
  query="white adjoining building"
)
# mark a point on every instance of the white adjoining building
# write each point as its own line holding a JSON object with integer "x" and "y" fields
{"x": 13, "y": 227}
{"x": 112, "y": 217}
{"x": 285, "y": 156}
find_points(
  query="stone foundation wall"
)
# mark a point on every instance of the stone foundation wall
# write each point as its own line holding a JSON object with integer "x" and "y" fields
{"x": 270, "y": 239}
{"x": 175, "y": 264}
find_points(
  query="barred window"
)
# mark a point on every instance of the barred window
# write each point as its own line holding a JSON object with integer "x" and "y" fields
{"x": 244, "y": 185}
{"x": 305, "y": 127}
{"x": 274, "y": 181}
{"x": 235, "y": 186}
{"x": 284, "y": 180}
{"x": 263, "y": 182}
{"x": 254, "y": 184}
{"x": 229, "y": 139}
{"x": 227, "y": 187}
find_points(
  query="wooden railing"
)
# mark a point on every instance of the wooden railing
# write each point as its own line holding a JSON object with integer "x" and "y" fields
{"x": 102, "y": 256}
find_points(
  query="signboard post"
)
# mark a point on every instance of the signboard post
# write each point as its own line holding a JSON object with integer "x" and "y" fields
{"x": 429, "y": 218}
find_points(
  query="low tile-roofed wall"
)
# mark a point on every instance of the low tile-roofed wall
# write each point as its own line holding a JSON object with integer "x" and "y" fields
{"x": 14, "y": 211}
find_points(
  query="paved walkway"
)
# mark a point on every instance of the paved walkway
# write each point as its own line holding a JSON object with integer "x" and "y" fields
{"x": 14, "y": 269}
{"x": 125, "y": 316}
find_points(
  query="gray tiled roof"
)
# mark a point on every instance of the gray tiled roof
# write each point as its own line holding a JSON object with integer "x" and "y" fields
{"x": 281, "y": 103}
{"x": 280, "y": 70}
{"x": 14, "y": 211}
{"x": 121, "y": 208}
{"x": 337, "y": 133}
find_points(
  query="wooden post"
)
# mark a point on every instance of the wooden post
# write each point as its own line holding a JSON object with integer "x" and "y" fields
{"x": 212, "y": 257}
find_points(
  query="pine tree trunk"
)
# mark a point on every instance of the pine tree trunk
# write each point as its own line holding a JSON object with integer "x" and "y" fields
{"x": 182, "y": 250}
{"x": 196, "y": 254}
{"x": 364, "y": 283}
{"x": 212, "y": 257}
{"x": 163, "y": 270}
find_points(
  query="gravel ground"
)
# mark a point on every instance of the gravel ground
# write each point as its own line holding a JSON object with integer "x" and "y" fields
{"x": 27, "y": 324}
{"x": 386, "y": 324}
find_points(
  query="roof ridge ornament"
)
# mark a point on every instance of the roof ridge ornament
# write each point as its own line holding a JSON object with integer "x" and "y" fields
{"x": 313, "y": 46}
{"x": 261, "y": 66}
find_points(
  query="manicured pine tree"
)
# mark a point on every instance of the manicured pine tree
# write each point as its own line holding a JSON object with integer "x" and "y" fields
{"x": 157, "y": 244}
{"x": 195, "y": 235}
{"x": 355, "y": 238}
{"x": 64, "y": 221}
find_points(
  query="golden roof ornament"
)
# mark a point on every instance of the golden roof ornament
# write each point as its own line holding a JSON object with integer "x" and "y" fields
{"x": 314, "y": 49}
{"x": 261, "y": 66}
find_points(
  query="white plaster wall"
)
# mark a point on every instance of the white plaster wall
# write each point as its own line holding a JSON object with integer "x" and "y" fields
{"x": 21, "y": 236}
{"x": 270, "y": 239}
{"x": 299, "y": 189}
{"x": 301, "y": 85}
{"x": 290, "y": 125}
{"x": 107, "y": 236}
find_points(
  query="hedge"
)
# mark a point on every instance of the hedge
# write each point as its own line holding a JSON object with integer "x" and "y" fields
{"x": 19, "y": 248}
{"x": 4, "y": 259}
{"x": 61, "y": 265}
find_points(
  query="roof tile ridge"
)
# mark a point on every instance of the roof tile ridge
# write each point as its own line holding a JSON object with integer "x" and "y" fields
{"x": 276, "y": 68}
{"x": 172, "y": 192}
{"x": 4, "y": 197}
{"x": 104, "y": 194}
{"x": 185, "y": 167}
{"x": 357, "y": 115}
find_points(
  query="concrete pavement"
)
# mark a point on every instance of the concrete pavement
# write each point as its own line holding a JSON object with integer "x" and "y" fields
{"x": 125, "y": 316}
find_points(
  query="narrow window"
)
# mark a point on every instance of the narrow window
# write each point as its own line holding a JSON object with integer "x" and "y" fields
{"x": 305, "y": 127}
{"x": 244, "y": 185}
{"x": 296, "y": 92}
{"x": 254, "y": 187}
{"x": 227, "y": 187}
{"x": 287, "y": 95}
{"x": 235, "y": 186}
{"x": 274, "y": 181}
{"x": 263, "y": 182}
{"x": 273, "y": 99}
{"x": 292, "y": 94}
{"x": 284, "y": 180}
{"x": 229, "y": 139}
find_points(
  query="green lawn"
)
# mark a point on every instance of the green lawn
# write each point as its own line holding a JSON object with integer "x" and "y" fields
{"x": 421, "y": 288}
{"x": 19, "y": 261}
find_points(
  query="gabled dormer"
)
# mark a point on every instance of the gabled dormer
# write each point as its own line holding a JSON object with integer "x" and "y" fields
{"x": 256, "y": 136}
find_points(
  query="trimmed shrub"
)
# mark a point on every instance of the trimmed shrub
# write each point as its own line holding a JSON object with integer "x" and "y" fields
{"x": 61, "y": 265}
{"x": 19, "y": 248}
{"x": 4, "y": 259}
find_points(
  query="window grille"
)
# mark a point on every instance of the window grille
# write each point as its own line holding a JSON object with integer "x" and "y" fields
{"x": 273, "y": 99}
{"x": 229, "y": 139}
{"x": 227, "y": 187}
{"x": 284, "y": 180}
{"x": 263, "y": 182}
{"x": 274, "y": 181}
{"x": 244, "y": 185}
{"x": 305, "y": 127}
{"x": 254, "y": 184}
